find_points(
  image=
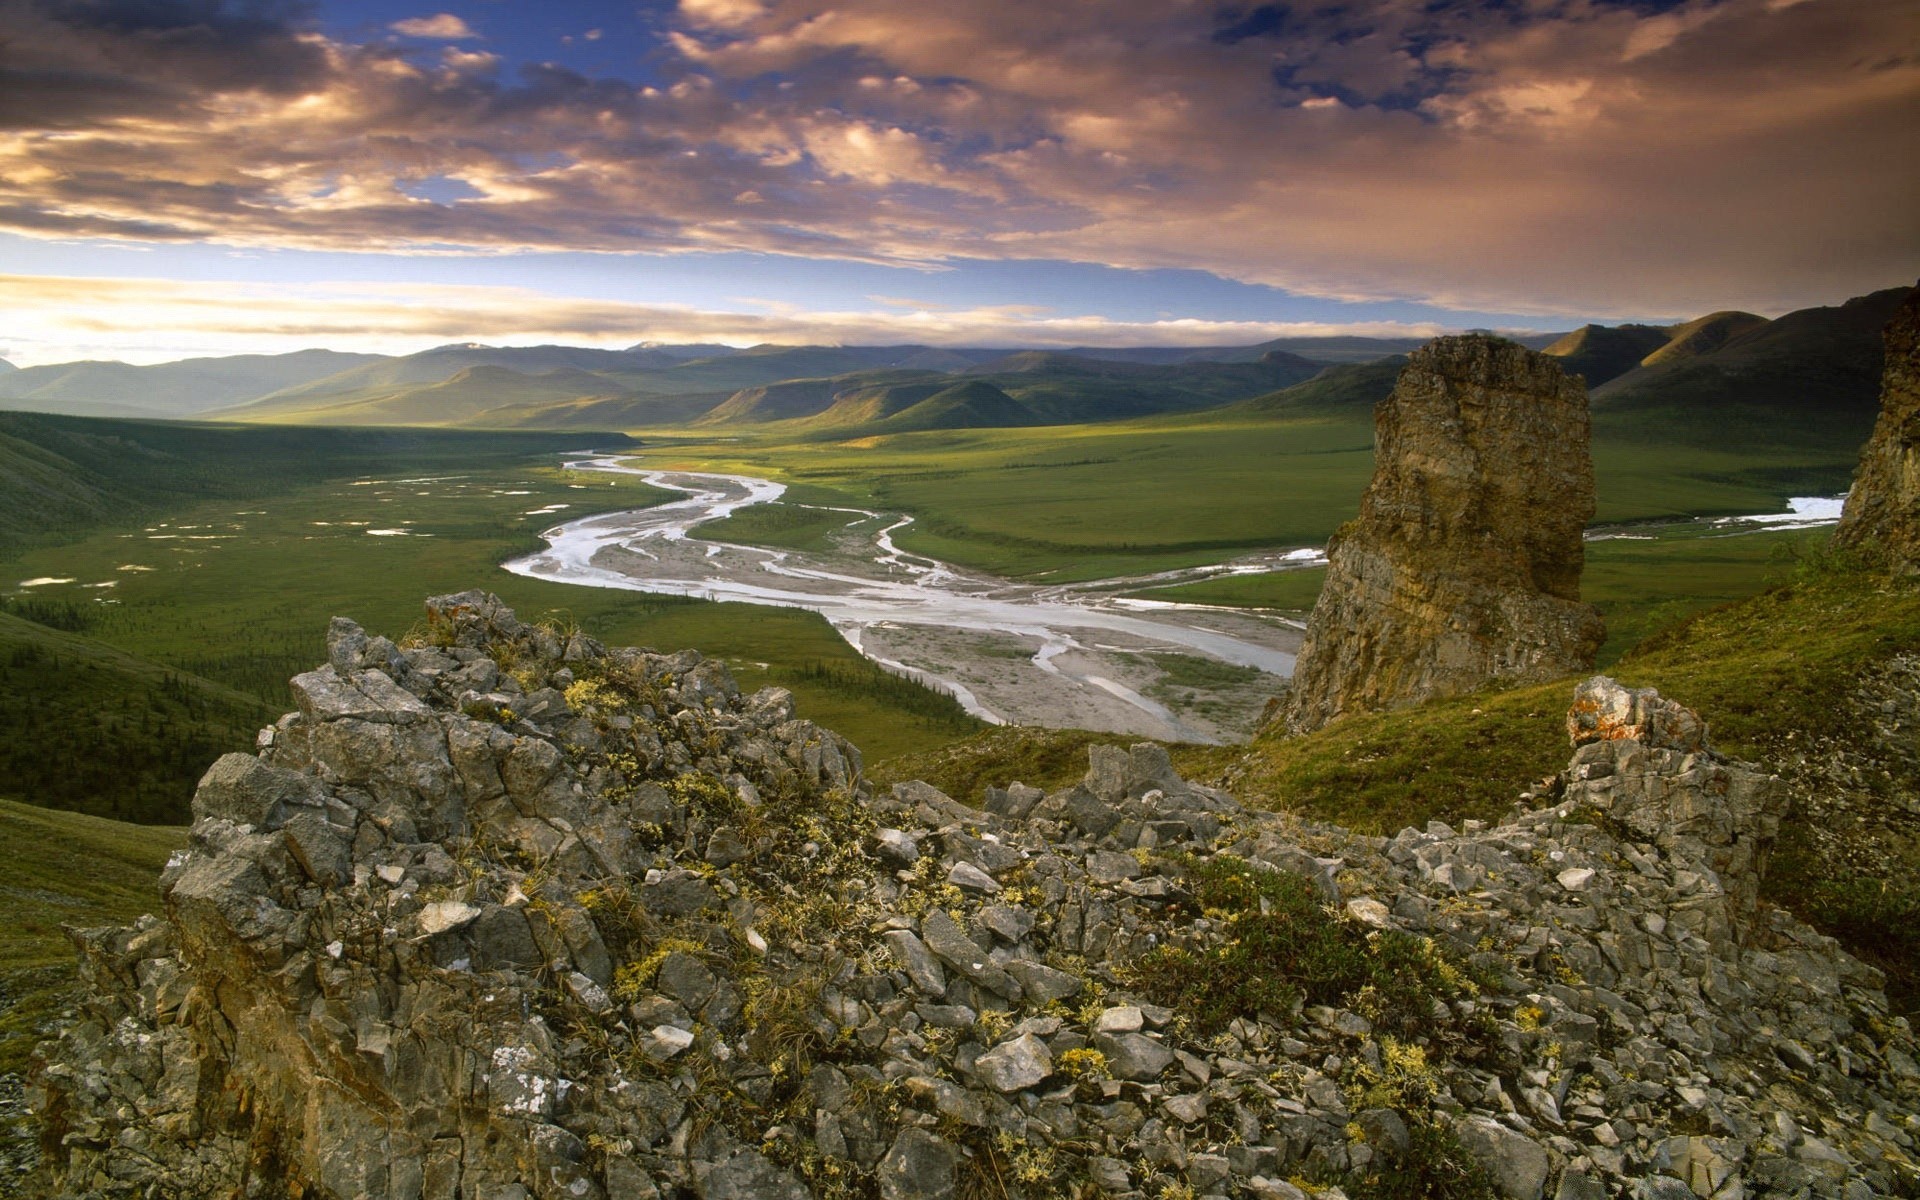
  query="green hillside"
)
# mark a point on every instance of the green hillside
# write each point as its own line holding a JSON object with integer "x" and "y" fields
{"x": 60, "y": 476}
{"x": 1810, "y": 378}
{"x": 467, "y": 398}
{"x": 1702, "y": 335}
{"x": 240, "y": 594}
{"x": 1777, "y": 678}
{"x": 374, "y": 379}
{"x": 93, "y": 729}
{"x": 1598, "y": 353}
{"x": 176, "y": 389}
{"x": 1357, "y": 386}
{"x": 64, "y": 869}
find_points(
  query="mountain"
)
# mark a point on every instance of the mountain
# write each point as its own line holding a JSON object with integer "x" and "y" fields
{"x": 375, "y": 380}
{"x": 1598, "y": 353}
{"x": 937, "y": 404}
{"x": 176, "y": 389}
{"x": 1341, "y": 386}
{"x": 796, "y": 398}
{"x": 1811, "y": 377}
{"x": 469, "y": 398}
{"x": 681, "y": 352}
{"x": 1702, "y": 335}
{"x": 6, "y": 366}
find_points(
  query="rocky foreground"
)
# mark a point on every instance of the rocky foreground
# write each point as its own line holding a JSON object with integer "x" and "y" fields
{"x": 508, "y": 914}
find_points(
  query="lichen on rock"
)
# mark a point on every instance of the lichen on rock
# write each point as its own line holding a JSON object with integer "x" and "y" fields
{"x": 1463, "y": 566}
{"x": 529, "y": 918}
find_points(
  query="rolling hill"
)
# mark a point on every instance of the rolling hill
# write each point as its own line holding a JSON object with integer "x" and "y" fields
{"x": 1811, "y": 377}
{"x": 60, "y": 476}
{"x": 176, "y": 389}
{"x": 1600, "y": 352}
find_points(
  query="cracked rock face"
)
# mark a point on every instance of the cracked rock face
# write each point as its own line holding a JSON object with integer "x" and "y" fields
{"x": 1884, "y": 505}
{"x": 460, "y": 933}
{"x": 1464, "y": 564}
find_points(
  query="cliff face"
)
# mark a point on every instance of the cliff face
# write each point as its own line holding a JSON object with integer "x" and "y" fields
{"x": 1884, "y": 506}
{"x": 510, "y": 915}
{"x": 1464, "y": 564}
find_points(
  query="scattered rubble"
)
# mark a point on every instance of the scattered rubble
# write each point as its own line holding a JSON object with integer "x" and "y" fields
{"x": 508, "y": 914}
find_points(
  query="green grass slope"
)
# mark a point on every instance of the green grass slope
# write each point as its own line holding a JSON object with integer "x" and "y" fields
{"x": 72, "y": 869}
{"x": 61, "y": 476}
{"x": 469, "y": 397}
{"x": 1702, "y": 335}
{"x": 1775, "y": 677}
{"x": 970, "y": 404}
{"x": 383, "y": 377}
{"x": 1810, "y": 378}
{"x": 1342, "y": 387}
{"x": 240, "y": 593}
{"x": 93, "y": 729}
{"x": 1598, "y": 353}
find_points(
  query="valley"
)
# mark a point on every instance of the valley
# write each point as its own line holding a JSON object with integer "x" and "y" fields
{"x": 1066, "y": 655}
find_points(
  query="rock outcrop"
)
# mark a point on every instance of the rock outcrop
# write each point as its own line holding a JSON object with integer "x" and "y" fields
{"x": 1884, "y": 505}
{"x": 1463, "y": 566}
{"x": 510, "y": 915}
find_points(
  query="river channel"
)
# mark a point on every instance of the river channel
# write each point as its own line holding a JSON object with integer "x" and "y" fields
{"x": 1069, "y": 655}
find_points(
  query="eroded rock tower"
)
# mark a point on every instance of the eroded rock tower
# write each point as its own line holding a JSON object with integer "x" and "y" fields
{"x": 1464, "y": 563}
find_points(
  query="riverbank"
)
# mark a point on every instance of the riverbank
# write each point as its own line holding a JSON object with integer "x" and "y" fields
{"x": 1063, "y": 655}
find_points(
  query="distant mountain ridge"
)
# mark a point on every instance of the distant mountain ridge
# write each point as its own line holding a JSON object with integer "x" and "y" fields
{"x": 1724, "y": 365}
{"x": 177, "y": 389}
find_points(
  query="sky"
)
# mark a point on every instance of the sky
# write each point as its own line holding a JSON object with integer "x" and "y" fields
{"x": 185, "y": 177}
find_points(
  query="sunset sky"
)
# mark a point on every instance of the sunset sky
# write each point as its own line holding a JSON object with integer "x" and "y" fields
{"x": 194, "y": 176}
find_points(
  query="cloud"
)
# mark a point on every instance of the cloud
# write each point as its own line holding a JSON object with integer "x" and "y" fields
{"x": 1559, "y": 157}
{"x": 444, "y": 26}
{"x": 57, "y": 318}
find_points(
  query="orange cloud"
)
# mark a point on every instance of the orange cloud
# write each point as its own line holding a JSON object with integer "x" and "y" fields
{"x": 444, "y": 26}
{"x": 150, "y": 320}
{"x": 1580, "y": 157}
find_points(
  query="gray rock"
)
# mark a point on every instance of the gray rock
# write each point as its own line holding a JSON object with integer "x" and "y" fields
{"x": 1516, "y": 1163}
{"x": 917, "y": 961}
{"x": 1385, "y": 1131}
{"x": 952, "y": 946}
{"x": 1133, "y": 1055}
{"x": 1111, "y": 866}
{"x": 1015, "y": 1065}
{"x": 1043, "y": 984}
{"x": 918, "y": 1166}
{"x": 969, "y": 878}
{"x": 748, "y": 1175}
{"x": 322, "y": 851}
{"x": 247, "y": 791}
{"x": 897, "y": 847}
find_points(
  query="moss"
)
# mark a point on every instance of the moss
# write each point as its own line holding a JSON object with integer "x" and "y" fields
{"x": 1281, "y": 947}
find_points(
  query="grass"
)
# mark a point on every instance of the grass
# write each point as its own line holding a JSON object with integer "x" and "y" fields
{"x": 1772, "y": 675}
{"x": 63, "y": 868}
{"x": 1291, "y": 591}
{"x": 1282, "y": 946}
{"x": 1073, "y": 502}
{"x": 238, "y": 594}
{"x": 94, "y": 729}
{"x": 61, "y": 477}
{"x": 995, "y": 757}
{"x": 779, "y": 524}
{"x": 1653, "y": 577}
